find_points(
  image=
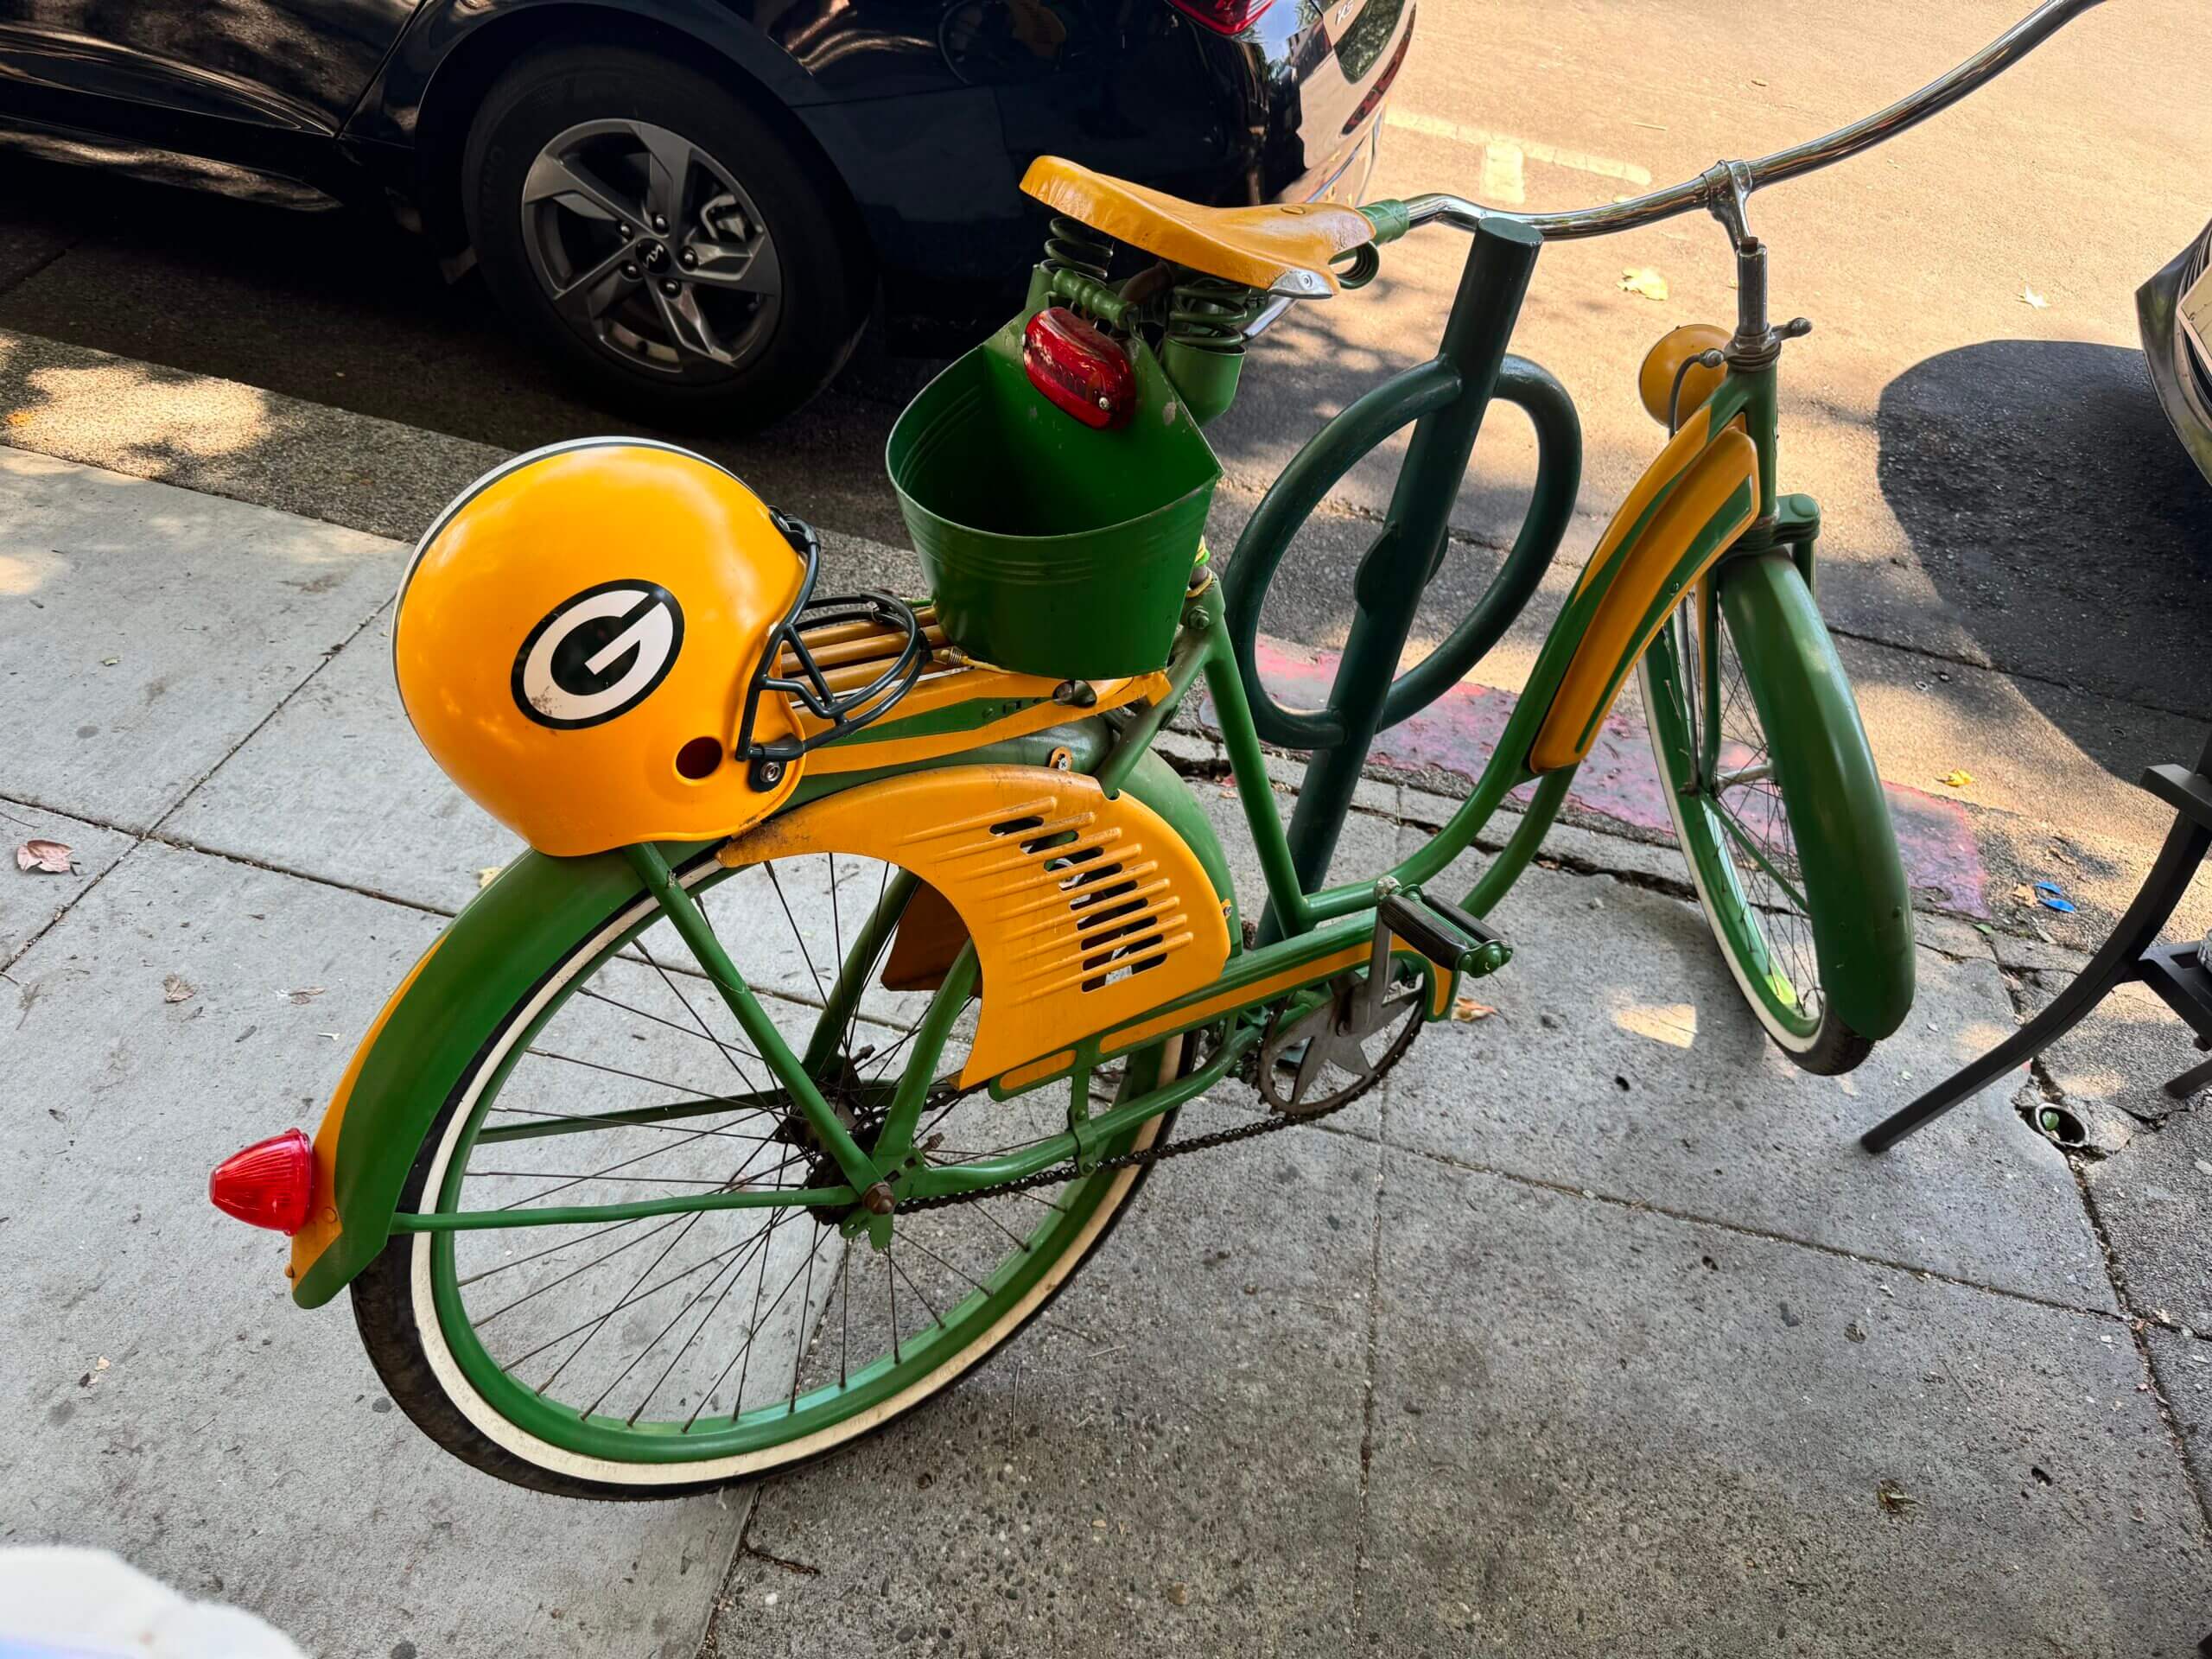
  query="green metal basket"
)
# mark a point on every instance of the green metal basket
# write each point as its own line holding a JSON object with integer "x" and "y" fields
{"x": 1052, "y": 547}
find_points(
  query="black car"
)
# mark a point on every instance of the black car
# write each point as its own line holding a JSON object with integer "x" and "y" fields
{"x": 698, "y": 203}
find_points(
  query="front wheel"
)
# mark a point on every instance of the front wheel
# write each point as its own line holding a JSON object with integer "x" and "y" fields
{"x": 1778, "y": 809}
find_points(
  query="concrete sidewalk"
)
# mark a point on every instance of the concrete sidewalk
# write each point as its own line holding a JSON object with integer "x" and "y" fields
{"x": 1593, "y": 1330}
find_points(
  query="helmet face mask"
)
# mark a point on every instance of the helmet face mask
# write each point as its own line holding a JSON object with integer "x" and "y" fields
{"x": 842, "y": 712}
{"x": 586, "y": 642}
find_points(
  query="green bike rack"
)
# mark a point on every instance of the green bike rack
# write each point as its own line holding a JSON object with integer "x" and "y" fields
{"x": 1444, "y": 399}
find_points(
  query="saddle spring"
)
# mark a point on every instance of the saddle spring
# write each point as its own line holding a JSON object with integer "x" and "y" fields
{"x": 1208, "y": 314}
{"x": 1072, "y": 245}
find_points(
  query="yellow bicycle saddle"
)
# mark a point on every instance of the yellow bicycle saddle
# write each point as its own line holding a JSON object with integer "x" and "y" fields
{"x": 1284, "y": 248}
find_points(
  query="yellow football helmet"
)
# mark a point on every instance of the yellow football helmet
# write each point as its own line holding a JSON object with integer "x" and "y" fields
{"x": 599, "y": 642}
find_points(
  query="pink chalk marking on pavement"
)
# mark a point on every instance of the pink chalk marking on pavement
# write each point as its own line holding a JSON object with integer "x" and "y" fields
{"x": 1619, "y": 779}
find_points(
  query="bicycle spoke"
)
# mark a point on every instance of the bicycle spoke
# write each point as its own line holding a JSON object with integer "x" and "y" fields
{"x": 664, "y": 1147}
{"x": 743, "y": 1076}
{"x": 572, "y": 1272}
{"x": 891, "y": 1256}
{"x": 661, "y": 1020}
{"x": 615, "y": 1071}
{"x": 554, "y": 1249}
{"x": 812, "y": 972}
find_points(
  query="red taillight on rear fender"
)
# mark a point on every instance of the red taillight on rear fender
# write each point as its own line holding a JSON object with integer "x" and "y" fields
{"x": 1222, "y": 17}
{"x": 271, "y": 1184}
{"x": 1079, "y": 368}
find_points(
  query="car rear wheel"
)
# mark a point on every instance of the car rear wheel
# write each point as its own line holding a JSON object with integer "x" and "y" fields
{"x": 682, "y": 254}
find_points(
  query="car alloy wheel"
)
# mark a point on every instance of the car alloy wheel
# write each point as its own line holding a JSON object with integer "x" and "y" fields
{"x": 649, "y": 249}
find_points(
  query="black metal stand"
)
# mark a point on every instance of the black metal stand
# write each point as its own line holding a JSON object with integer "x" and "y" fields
{"x": 2175, "y": 972}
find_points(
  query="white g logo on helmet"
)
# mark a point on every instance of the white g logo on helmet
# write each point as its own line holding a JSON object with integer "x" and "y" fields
{"x": 598, "y": 654}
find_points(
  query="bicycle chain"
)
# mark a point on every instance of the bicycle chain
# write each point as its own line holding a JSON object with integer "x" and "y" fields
{"x": 1138, "y": 1160}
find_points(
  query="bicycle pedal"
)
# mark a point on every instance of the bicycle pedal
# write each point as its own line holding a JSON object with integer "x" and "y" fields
{"x": 1446, "y": 935}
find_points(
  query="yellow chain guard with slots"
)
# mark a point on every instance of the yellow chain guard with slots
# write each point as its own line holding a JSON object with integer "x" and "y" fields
{"x": 1085, "y": 911}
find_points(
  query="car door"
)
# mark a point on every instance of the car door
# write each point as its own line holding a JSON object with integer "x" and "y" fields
{"x": 262, "y": 83}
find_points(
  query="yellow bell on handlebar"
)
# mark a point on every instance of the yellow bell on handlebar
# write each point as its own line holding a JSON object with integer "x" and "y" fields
{"x": 1655, "y": 381}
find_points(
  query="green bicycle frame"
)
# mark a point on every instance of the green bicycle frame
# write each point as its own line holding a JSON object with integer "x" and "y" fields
{"x": 1312, "y": 933}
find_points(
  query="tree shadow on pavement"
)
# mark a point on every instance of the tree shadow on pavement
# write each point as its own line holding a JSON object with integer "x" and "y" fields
{"x": 2054, "y": 511}
{"x": 343, "y": 308}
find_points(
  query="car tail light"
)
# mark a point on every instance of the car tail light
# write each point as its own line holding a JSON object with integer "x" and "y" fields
{"x": 1079, "y": 368}
{"x": 1222, "y": 17}
{"x": 270, "y": 1184}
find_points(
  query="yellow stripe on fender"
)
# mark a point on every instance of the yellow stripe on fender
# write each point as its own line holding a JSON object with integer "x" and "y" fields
{"x": 323, "y": 1225}
{"x": 1714, "y": 501}
{"x": 1669, "y": 464}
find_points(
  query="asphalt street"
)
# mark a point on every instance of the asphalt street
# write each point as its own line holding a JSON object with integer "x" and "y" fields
{"x": 2018, "y": 564}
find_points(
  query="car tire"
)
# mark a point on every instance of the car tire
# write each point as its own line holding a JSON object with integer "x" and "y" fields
{"x": 733, "y": 307}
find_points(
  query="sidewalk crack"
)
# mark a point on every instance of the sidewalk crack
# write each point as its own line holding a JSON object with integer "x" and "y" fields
{"x": 75, "y": 898}
{"x": 710, "y": 1637}
{"x": 261, "y": 725}
{"x": 2200, "y": 1487}
{"x": 2075, "y": 688}
{"x": 1742, "y": 1230}
{"x": 40, "y": 267}
{"x": 1367, "y": 1401}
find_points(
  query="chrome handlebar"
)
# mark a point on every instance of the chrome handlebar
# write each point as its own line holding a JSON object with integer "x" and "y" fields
{"x": 1723, "y": 187}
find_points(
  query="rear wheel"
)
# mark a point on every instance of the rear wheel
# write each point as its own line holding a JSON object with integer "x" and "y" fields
{"x": 684, "y": 256}
{"x": 1742, "y": 804}
{"x": 641, "y": 1357}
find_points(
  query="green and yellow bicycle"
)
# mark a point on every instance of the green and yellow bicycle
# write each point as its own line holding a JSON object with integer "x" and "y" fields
{"x": 867, "y": 957}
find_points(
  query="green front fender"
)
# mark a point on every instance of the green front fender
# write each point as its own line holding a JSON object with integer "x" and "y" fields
{"x": 488, "y": 960}
{"x": 1853, "y": 879}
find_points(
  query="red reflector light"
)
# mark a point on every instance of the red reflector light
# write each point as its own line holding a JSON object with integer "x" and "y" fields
{"x": 1079, "y": 368}
{"x": 1222, "y": 17}
{"x": 271, "y": 1184}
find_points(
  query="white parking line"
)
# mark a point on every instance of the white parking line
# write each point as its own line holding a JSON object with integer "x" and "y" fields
{"x": 1604, "y": 166}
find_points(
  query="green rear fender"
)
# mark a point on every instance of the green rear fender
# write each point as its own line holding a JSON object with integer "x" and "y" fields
{"x": 1853, "y": 879}
{"x": 489, "y": 959}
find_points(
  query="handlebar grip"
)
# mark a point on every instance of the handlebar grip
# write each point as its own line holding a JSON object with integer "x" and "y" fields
{"x": 1391, "y": 220}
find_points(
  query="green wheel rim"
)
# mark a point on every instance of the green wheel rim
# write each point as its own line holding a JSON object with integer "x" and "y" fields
{"x": 1068, "y": 1224}
{"x": 1792, "y": 1005}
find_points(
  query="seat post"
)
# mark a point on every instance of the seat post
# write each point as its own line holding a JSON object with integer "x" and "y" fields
{"x": 1409, "y": 550}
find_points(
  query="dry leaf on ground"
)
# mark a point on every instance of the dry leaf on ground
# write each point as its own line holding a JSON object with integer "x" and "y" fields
{"x": 2030, "y": 298}
{"x": 177, "y": 988}
{"x": 305, "y": 994}
{"x": 50, "y": 857}
{"x": 1956, "y": 779}
{"x": 1894, "y": 1498}
{"x": 1466, "y": 1010}
{"x": 1645, "y": 281}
